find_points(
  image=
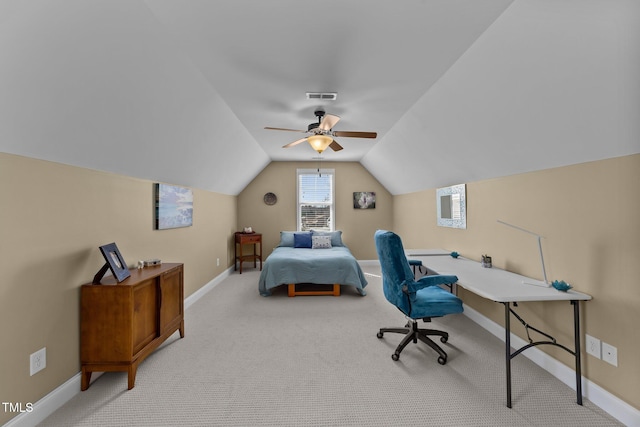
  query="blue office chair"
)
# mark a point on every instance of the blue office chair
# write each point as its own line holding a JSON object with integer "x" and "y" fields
{"x": 421, "y": 299}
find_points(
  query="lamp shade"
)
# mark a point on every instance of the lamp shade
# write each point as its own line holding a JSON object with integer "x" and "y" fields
{"x": 320, "y": 142}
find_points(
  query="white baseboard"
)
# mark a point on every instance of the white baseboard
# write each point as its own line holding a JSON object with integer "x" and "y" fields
{"x": 48, "y": 404}
{"x": 65, "y": 392}
{"x": 617, "y": 408}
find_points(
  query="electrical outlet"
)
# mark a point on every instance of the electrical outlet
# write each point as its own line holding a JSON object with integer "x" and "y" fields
{"x": 609, "y": 354}
{"x": 218, "y": 262}
{"x": 593, "y": 346}
{"x": 38, "y": 361}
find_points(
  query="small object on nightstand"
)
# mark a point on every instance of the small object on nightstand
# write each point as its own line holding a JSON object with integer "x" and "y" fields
{"x": 455, "y": 254}
{"x": 486, "y": 261}
{"x": 152, "y": 262}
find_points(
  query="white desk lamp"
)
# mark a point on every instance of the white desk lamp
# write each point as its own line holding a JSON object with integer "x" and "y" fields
{"x": 544, "y": 271}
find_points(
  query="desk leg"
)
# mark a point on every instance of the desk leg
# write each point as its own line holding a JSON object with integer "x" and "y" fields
{"x": 576, "y": 334}
{"x": 507, "y": 341}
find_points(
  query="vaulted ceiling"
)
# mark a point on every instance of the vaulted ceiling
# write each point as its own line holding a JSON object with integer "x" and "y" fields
{"x": 457, "y": 90}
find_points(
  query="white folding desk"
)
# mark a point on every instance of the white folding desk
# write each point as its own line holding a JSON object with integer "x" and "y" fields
{"x": 507, "y": 288}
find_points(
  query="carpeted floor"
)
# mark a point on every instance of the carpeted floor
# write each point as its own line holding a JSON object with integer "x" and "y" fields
{"x": 248, "y": 360}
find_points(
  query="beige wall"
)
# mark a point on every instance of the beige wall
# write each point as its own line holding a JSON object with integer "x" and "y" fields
{"x": 53, "y": 217}
{"x": 280, "y": 178}
{"x": 589, "y": 217}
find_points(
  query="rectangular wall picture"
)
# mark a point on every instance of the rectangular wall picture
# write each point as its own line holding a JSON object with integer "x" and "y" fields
{"x": 364, "y": 200}
{"x": 451, "y": 206}
{"x": 174, "y": 206}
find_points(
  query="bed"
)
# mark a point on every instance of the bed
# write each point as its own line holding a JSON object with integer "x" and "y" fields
{"x": 318, "y": 258}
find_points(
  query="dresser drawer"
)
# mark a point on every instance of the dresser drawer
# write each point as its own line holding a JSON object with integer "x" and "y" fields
{"x": 250, "y": 238}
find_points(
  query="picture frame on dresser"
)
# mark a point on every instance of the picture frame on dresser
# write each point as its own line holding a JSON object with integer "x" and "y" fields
{"x": 114, "y": 262}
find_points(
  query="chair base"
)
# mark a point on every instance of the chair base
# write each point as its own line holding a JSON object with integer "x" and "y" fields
{"x": 413, "y": 333}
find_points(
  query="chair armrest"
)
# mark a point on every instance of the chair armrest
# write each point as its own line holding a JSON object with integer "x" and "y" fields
{"x": 434, "y": 280}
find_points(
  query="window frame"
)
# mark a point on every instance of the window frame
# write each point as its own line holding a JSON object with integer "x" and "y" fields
{"x": 331, "y": 204}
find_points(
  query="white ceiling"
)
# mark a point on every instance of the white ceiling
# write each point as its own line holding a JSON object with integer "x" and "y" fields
{"x": 458, "y": 90}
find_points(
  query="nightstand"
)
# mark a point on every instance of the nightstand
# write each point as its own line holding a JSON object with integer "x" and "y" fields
{"x": 242, "y": 239}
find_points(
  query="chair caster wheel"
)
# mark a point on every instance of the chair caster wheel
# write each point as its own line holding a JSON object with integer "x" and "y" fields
{"x": 379, "y": 334}
{"x": 444, "y": 340}
{"x": 442, "y": 360}
{"x": 395, "y": 357}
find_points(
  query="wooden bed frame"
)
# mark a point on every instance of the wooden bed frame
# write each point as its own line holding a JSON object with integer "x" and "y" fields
{"x": 335, "y": 291}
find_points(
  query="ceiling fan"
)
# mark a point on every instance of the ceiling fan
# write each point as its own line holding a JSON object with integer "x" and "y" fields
{"x": 322, "y": 133}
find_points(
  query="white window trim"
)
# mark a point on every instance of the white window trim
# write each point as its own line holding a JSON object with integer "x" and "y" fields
{"x": 332, "y": 173}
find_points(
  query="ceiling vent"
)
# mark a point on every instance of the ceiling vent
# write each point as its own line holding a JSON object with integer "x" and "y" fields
{"x": 322, "y": 96}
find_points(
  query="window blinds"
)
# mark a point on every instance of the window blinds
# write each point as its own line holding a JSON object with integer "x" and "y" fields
{"x": 315, "y": 200}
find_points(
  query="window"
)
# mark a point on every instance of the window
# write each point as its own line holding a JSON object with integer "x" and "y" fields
{"x": 315, "y": 199}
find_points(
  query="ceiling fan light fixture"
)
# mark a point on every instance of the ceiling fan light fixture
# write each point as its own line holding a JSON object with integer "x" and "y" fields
{"x": 320, "y": 142}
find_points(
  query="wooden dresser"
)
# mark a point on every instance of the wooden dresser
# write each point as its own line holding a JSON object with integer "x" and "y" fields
{"x": 122, "y": 323}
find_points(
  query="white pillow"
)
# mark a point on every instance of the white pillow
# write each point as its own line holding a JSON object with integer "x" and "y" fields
{"x": 336, "y": 236}
{"x": 320, "y": 242}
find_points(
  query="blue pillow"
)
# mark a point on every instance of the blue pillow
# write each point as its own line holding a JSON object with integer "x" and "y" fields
{"x": 302, "y": 240}
{"x": 286, "y": 239}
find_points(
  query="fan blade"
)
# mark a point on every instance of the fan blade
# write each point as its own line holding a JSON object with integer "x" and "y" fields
{"x": 291, "y": 144}
{"x": 335, "y": 146}
{"x": 289, "y": 130}
{"x": 328, "y": 122}
{"x": 351, "y": 134}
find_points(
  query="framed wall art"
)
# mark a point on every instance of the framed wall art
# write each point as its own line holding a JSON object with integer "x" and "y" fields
{"x": 364, "y": 200}
{"x": 451, "y": 205}
{"x": 173, "y": 207}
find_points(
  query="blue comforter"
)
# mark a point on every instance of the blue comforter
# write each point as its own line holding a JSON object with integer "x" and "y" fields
{"x": 319, "y": 266}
